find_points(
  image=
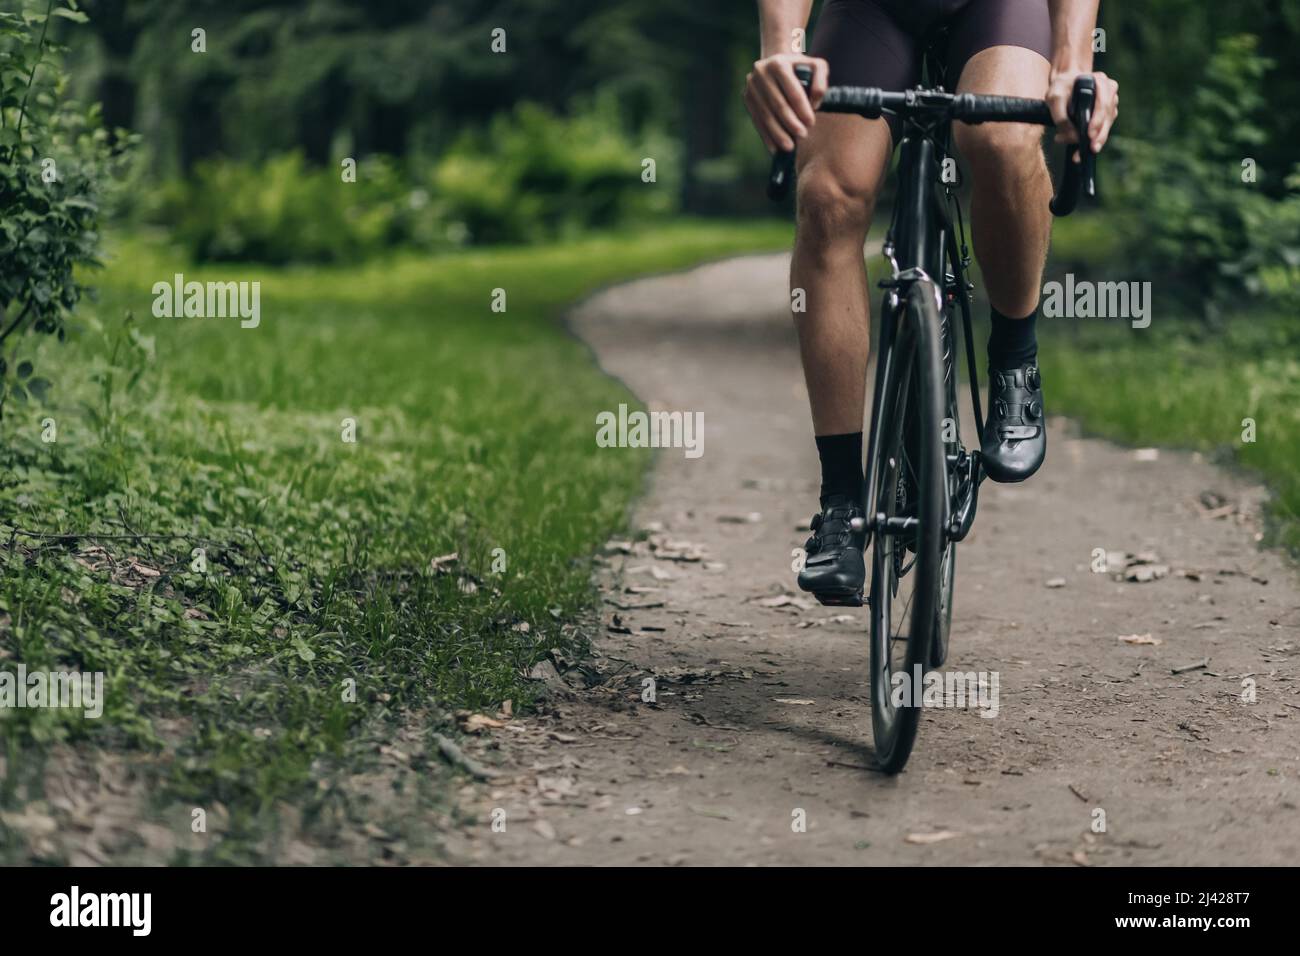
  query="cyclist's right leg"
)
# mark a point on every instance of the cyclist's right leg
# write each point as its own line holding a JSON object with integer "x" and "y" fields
{"x": 843, "y": 161}
{"x": 841, "y": 167}
{"x": 842, "y": 164}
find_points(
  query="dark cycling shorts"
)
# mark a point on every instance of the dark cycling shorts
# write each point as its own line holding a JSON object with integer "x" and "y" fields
{"x": 879, "y": 42}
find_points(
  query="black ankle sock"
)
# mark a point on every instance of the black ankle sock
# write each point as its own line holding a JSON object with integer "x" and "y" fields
{"x": 841, "y": 457}
{"x": 1012, "y": 342}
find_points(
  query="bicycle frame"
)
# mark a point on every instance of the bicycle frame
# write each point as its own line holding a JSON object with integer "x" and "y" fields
{"x": 920, "y": 237}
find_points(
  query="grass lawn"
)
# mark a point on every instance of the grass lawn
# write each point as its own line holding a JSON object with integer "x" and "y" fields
{"x": 187, "y": 515}
{"x": 1181, "y": 382}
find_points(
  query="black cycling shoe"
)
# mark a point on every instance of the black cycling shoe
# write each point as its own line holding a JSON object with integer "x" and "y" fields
{"x": 1014, "y": 442}
{"x": 834, "y": 570}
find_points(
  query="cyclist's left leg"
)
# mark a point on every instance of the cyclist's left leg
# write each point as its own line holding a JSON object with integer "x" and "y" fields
{"x": 1001, "y": 47}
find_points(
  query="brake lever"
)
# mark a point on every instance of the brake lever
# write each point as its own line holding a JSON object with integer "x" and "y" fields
{"x": 1079, "y": 177}
{"x": 782, "y": 175}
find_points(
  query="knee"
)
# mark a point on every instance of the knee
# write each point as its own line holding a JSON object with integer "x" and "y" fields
{"x": 999, "y": 149}
{"x": 830, "y": 210}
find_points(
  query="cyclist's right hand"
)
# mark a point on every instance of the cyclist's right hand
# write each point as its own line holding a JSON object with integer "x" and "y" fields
{"x": 781, "y": 112}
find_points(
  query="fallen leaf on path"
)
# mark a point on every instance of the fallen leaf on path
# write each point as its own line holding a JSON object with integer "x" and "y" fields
{"x": 1140, "y": 639}
{"x": 1142, "y": 573}
{"x": 925, "y": 839}
{"x": 715, "y": 814}
{"x": 667, "y": 549}
{"x": 1055, "y": 582}
{"x": 800, "y": 701}
{"x": 787, "y": 600}
{"x": 454, "y": 755}
{"x": 472, "y": 723}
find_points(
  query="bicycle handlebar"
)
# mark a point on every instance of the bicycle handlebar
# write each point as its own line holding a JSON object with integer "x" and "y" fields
{"x": 1079, "y": 178}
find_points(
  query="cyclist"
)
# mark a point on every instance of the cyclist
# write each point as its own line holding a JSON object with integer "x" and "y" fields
{"x": 1026, "y": 48}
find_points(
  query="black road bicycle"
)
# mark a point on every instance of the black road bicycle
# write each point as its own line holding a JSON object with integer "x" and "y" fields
{"x": 922, "y": 485}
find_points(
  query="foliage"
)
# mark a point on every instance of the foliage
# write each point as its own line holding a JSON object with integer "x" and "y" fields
{"x": 534, "y": 175}
{"x": 54, "y": 163}
{"x": 1205, "y": 228}
{"x": 281, "y": 211}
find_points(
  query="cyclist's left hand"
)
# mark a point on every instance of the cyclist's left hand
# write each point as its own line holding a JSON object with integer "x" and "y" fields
{"x": 1105, "y": 107}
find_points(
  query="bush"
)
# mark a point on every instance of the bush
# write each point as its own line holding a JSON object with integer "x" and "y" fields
{"x": 533, "y": 175}
{"x": 281, "y": 211}
{"x": 1203, "y": 226}
{"x": 530, "y": 176}
{"x": 55, "y": 160}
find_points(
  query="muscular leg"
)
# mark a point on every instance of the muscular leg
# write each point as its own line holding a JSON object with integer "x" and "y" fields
{"x": 1010, "y": 222}
{"x": 841, "y": 167}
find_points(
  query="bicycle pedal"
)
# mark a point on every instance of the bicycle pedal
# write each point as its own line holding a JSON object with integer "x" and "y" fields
{"x": 843, "y": 600}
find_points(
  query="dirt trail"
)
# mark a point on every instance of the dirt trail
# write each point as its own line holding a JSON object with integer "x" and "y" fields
{"x": 762, "y": 713}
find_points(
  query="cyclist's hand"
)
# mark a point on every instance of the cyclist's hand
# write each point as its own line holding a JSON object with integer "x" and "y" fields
{"x": 1105, "y": 107}
{"x": 776, "y": 102}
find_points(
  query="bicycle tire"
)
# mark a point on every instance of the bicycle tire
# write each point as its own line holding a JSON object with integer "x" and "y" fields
{"x": 948, "y": 561}
{"x": 914, "y": 385}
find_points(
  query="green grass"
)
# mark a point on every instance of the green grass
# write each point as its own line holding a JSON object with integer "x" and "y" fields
{"x": 1181, "y": 382}
{"x": 1174, "y": 385}
{"x": 474, "y": 435}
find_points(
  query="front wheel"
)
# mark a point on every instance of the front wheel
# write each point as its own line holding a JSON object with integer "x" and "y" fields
{"x": 906, "y": 564}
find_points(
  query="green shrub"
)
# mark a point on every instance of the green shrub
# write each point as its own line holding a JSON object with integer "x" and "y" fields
{"x": 55, "y": 161}
{"x": 1205, "y": 228}
{"x": 281, "y": 211}
{"x": 533, "y": 175}
{"x": 529, "y": 176}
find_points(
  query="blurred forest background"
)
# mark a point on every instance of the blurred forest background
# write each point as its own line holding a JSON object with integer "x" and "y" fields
{"x": 240, "y": 147}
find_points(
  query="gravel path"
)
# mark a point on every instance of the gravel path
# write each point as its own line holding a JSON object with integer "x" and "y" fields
{"x": 762, "y": 720}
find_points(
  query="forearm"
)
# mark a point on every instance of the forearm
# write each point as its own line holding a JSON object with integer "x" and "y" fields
{"x": 777, "y": 21}
{"x": 1072, "y": 24}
